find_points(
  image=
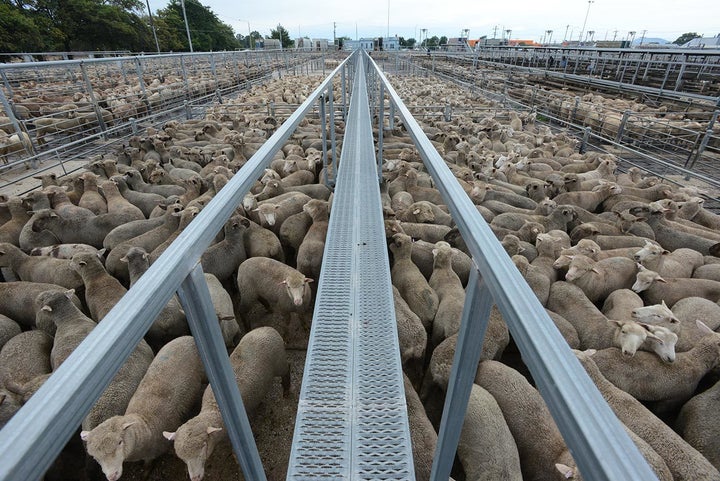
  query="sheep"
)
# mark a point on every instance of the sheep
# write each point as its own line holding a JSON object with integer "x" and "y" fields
{"x": 223, "y": 304}
{"x": 70, "y": 230}
{"x": 16, "y": 300}
{"x": 538, "y": 440}
{"x": 102, "y": 291}
{"x": 594, "y": 330}
{"x": 64, "y": 251}
{"x": 672, "y": 239}
{"x": 682, "y": 460}
{"x": 450, "y": 293}
{"x": 410, "y": 282}
{"x": 145, "y": 201}
{"x": 276, "y": 286}
{"x": 10, "y": 230}
{"x": 534, "y": 276}
{"x": 273, "y": 212}
{"x": 693, "y": 210}
{"x": 223, "y": 258}
{"x": 425, "y": 212}
{"x": 310, "y": 252}
{"x": 29, "y": 238}
{"x": 697, "y": 424}
{"x": 648, "y": 379}
{"x": 91, "y": 198}
{"x": 422, "y": 434}
{"x": 620, "y": 304}
{"x": 162, "y": 402}
{"x": 557, "y": 219}
{"x": 655, "y": 288}
{"x": 8, "y": 329}
{"x": 412, "y": 337}
{"x": 423, "y": 258}
{"x": 709, "y": 271}
{"x": 431, "y": 233}
{"x": 598, "y": 279}
{"x": 686, "y": 311}
{"x": 117, "y": 204}
{"x": 39, "y": 269}
{"x": 186, "y": 217}
{"x": 138, "y": 227}
{"x": 256, "y": 361}
{"x": 680, "y": 263}
{"x": 262, "y": 242}
{"x": 171, "y": 322}
{"x": 148, "y": 240}
{"x": 24, "y": 358}
{"x": 292, "y": 232}
{"x": 589, "y": 200}
{"x": 135, "y": 182}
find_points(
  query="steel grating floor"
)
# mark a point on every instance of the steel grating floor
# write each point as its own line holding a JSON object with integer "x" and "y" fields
{"x": 352, "y": 418}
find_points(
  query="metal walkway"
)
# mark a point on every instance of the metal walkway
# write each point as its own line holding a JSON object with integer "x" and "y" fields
{"x": 352, "y": 419}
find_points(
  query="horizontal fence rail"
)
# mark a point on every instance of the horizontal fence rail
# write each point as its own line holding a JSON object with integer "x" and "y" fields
{"x": 599, "y": 444}
{"x": 32, "y": 439}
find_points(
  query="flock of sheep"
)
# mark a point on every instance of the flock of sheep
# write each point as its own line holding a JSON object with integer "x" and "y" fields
{"x": 61, "y": 112}
{"x": 626, "y": 266}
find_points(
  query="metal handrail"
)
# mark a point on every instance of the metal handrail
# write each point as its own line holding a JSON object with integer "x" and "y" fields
{"x": 599, "y": 444}
{"x": 32, "y": 439}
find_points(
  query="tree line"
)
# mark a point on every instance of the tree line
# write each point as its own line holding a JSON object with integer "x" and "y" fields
{"x": 88, "y": 25}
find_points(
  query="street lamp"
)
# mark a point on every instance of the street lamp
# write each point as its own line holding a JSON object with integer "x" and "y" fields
{"x": 250, "y": 39}
{"x": 590, "y": 2}
{"x": 549, "y": 38}
{"x": 187, "y": 28}
{"x": 152, "y": 25}
{"x": 631, "y": 33}
{"x": 509, "y": 34}
{"x": 566, "y": 30}
{"x": 591, "y": 35}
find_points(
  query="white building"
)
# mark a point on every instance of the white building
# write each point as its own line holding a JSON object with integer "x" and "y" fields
{"x": 703, "y": 42}
{"x": 388, "y": 43}
{"x": 312, "y": 44}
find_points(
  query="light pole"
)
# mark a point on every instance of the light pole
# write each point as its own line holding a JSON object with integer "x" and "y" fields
{"x": 187, "y": 28}
{"x": 509, "y": 34}
{"x": 631, "y": 33}
{"x": 566, "y": 31}
{"x": 152, "y": 25}
{"x": 250, "y": 39}
{"x": 591, "y": 34}
{"x": 549, "y": 38}
{"x": 423, "y": 33}
{"x": 590, "y": 2}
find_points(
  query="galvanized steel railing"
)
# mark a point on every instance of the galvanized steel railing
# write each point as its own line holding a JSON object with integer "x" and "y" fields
{"x": 36, "y": 434}
{"x": 598, "y": 442}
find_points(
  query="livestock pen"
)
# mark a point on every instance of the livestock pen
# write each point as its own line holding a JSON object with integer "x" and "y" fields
{"x": 351, "y": 420}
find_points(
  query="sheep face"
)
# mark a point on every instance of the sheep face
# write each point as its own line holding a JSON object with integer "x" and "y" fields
{"x": 662, "y": 342}
{"x": 629, "y": 336}
{"x": 645, "y": 278}
{"x": 194, "y": 443}
{"x": 655, "y": 314}
{"x": 266, "y": 213}
{"x": 110, "y": 443}
{"x": 297, "y": 288}
{"x": 649, "y": 252}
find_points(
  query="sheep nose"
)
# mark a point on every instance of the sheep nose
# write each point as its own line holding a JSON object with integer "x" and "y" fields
{"x": 628, "y": 353}
{"x": 298, "y": 302}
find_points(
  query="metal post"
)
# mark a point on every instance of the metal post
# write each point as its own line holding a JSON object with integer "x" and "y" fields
{"x": 585, "y": 138}
{"x": 447, "y": 111}
{"x": 188, "y": 110}
{"x": 219, "y": 97}
{"x": 701, "y": 148}
{"x": 381, "y": 115}
{"x": 7, "y": 84}
{"x": 621, "y": 129}
{"x": 679, "y": 79}
{"x": 187, "y": 27}
{"x": 343, "y": 91}
{"x": 333, "y": 142}
{"x": 141, "y": 78}
{"x": 573, "y": 116}
{"x": 323, "y": 128}
{"x": 391, "y": 124}
{"x": 185, "y": 78}
{"x": 133, "y": 125}
{"x": 476, "y": 314}
{"x": 96, "y": 107}
{"x": 30, "y": 148}
{"x": 195, "y": 298}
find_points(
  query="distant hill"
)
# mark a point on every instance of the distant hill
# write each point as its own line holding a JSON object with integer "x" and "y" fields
{"x": 647, "y": 40}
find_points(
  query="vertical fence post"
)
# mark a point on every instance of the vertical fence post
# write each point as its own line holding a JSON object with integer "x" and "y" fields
{"x": 381, "y": 114}
{"x": 701, "y": 148}
{"x": 621, "y": 129}
{"x": 475, "y": 316}
{"x": 185, "y": 79}
{"x": 323, "y": 128}
{"x": 96, "y": 107}
{"x": 333, "y": 142}
{"x": 7, "y": 83}
{"x": 585, "y": 139}
{"x": 141, "y": 80}
{"x": 188, "y": 110}
{"x": 29, "y": 146}
{"x": 343, "y": 91}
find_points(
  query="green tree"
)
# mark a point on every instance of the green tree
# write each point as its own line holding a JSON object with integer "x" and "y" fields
{"x": 18, "y": 31}
{"x": 282, "y": 34}
{"x": 443, "y": 40}
{"x": 410, "y": 43}
{"x": 206, "y": 30}
{"x": 686, "y": 37}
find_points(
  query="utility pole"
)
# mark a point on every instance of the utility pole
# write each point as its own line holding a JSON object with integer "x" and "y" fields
{"x": 495, "y": 31}
{"x": 615, "y": 34}
{"x": 187, "y": 28}
{"x": 152, "y": 25}
{"x": 334, "y": 36}
{"x": 590, "y": 2}
{"x": 566, "y": 31}
{"x": 642, "y": 39}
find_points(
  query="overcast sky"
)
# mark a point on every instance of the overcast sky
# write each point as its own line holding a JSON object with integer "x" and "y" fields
{"x": 666, "y": 19}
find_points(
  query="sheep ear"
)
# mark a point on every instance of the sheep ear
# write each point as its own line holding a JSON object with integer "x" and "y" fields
{"x": 565, "y": 470}
{"x": 595, "y": 271}
{"x": 282, "y": 282}
{"x": 703, "y": 327}
{"x": 209, "y": 430}
{"x": 124, "y": 259}
{"x": 127, "y": 425}
{"x": 590, "y": 352}
{"x": 170, "y": 436}
{"x": 46, "y": 308}
{"x": 84, "y": 435}
{"x": 308, "y": 280}
{"x": 660, "y": 279}
{"x": 663, "y": 304}
{"x": 70, "y": 293}
{"x": 616, "y": 322}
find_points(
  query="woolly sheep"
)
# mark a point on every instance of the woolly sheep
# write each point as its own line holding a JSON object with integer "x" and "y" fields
{"x": 684, "y": 462}
{"x": 680, "y": 263}
{"x": 162, "y": 402}
{"x": 256, "y": 361}
{"x": 223, "y": 258}
{"x": 62, "y": 251}
{"x": 310, "y": 252}
{"x": 410, "y": 282}
{"x": 697, "y": 424}
{"x": 17, "y": 300}
{"x": 450, "y": 293}
{"x": 39, "y": 269}
{"x": 276, "y": 286}
{"x": 598, "y": 279}
{"x": 102, "y": 291}
{"x": 656, "y": 289}
{"x": 649, "y": 379}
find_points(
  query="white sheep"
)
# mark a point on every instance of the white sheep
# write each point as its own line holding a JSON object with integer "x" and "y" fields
{"x": 656, "y": 289}
{"x": 256, "y": 361}
{"x": 163, "y": 401}
{"x": 450, "y": 293}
